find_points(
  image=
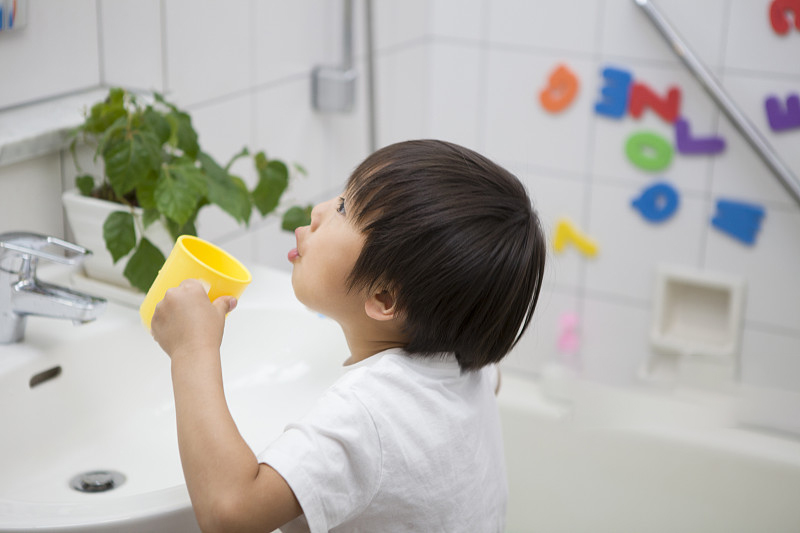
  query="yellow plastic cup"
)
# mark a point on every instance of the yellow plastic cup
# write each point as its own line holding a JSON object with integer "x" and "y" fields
{"x": 194, "y": 258}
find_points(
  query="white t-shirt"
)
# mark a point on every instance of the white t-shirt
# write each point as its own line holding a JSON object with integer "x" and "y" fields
{"x": 398, "y": 444}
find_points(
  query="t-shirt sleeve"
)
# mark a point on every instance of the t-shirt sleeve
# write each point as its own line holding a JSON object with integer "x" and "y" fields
{"x": 331, "y": 459}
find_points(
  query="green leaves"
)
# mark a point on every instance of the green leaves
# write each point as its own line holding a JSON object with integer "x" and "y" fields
{"x": 119, "y": 234}
{"x": 130, "y": 156}
{"x": 143, "y": 266}
{"x": 295, "y": 217}
{"x": 158, "y": 124}
{"x": 273, "y": 178}
{"x": 183, "y": 135}
{"x": 153, "y": 160}
{"x": 104, "y": 114}
{"x": 228, "y": 192}
{"x": 85, "y": 184}
{"x": 180, "y": 188}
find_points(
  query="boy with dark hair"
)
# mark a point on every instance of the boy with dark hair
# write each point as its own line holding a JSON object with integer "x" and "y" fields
{"x": 432, "y": 262}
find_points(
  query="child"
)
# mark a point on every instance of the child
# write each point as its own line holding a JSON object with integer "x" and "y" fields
{"x": 431, "y": 261}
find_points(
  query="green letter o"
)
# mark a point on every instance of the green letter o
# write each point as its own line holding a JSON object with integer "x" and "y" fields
{"x": 648, "y": 151}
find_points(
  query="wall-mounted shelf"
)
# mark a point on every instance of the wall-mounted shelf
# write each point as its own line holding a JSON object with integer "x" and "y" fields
{"x": 37, "y": 129}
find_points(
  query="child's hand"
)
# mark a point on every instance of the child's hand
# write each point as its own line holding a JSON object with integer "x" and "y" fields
{"x": 186, "y": 323}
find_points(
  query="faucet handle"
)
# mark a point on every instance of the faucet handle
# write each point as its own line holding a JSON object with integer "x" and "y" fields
{"x": 27, "y": 244}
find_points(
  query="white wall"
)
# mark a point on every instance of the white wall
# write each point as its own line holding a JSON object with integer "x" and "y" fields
{"x": 242, "y": 72}
{"x": 468, "y": 71}
{"x": 487, "y": 60}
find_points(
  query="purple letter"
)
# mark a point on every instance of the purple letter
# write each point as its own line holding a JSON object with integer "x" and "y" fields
{"x": 779, "y": 119}
{"x": 697, "y": 145}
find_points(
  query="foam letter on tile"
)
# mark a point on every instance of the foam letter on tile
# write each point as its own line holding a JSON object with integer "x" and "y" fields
{"x": 566, "y": 233}
{"x": 667, "y": 108}
{"x": 738, "y": 219}
{"x": 648, "y": 151}
{"x": 657, "y": 203}
{"x": 560, "y": 91}
{"x": 696, "y": 145}
{"x": 780, "y": 120}
{"x": 778, "y": 10}
{"x": 614, "y": 94}
{"x": 568, "y": 339}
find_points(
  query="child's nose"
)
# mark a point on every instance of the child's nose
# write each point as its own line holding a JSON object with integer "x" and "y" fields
{"x": 316, "y": 215}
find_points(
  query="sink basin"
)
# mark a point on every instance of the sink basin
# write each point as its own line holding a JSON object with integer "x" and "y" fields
{"x": 101, "y": 399}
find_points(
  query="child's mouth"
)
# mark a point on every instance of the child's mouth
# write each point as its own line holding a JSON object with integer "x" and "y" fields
{"x": 293, "y": 254}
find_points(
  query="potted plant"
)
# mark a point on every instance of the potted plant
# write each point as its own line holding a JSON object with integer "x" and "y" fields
{"x": 156, "y": 179}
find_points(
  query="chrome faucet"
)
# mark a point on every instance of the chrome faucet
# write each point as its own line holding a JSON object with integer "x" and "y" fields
{"x": 22, "y": 294}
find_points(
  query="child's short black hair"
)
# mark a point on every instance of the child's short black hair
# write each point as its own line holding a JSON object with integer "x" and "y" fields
{"x": 454, "y": 238}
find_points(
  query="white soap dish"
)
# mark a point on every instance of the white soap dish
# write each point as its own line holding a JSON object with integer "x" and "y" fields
{"x": 698, "y": 313}
{"x": 697, "y": 328}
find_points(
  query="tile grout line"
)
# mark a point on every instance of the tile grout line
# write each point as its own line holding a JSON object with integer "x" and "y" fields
{"x": 162, "y": 7}
{"x": 101, "y": 56}
{"x": 483, "y": 70}
{"x": 582, "y": 292}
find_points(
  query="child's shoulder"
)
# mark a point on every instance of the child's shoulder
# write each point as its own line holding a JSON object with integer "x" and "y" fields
{"x": 397, "y": 373}
{"x": 396, "y": 362}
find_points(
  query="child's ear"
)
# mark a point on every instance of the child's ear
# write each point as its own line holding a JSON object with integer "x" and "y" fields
{"x": 380, "y": 306}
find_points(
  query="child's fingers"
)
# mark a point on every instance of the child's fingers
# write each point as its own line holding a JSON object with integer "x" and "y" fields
{"x": 194, "y": 284}
{"x": 225, "y": 304}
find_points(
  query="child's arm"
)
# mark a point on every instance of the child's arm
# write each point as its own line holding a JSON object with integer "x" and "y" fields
{"x": 230, "y": 490}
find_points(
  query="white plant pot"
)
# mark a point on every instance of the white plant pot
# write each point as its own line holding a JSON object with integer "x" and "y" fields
{"x": 86, "y": 216}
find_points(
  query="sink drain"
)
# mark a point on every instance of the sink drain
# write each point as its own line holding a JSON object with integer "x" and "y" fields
{"x": 97, "y": 481}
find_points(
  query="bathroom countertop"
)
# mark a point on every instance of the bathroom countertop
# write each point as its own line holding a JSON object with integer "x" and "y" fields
{"x": 36, "y": 129}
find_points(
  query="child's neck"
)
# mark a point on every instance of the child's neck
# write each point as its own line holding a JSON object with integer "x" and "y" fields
{"x": 363, "y": 346}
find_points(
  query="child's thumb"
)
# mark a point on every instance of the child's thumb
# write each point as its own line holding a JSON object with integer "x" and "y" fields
{"x": 225, "y": 304}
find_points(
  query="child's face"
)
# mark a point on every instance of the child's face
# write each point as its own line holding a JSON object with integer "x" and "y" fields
{"x": 326, "y": 252}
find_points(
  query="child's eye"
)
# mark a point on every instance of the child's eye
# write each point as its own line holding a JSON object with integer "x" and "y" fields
{"x": 340, "y": 209}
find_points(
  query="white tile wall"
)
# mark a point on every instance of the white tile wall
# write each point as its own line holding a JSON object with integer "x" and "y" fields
{"x": 569, "y": 25}
{"x": 41, "y": 58}
{"x": 631, "y": 248}
{"x": 209, "y": 49}
{"x": 459, "y": 19}
{"x": 223, "y": 129}
{"x": 329, "y": 146}
{"x": 575, "y": 165}
{"x": 771, "y": 359}
{"x": 762, "y": 51}
{"x": 30, "y": 198}
{"x": 614, "y": 340}
{"x": 770, "y": 268}
{"x": 740, "y": 172}
{"x": 132, "y": 45}
{"x": 627, "y": 33}
{"x": 401, "y": 23}
{"x": 282, "y": 44}
{"x": 518, "y": 129}
{"x": 539, "y": 344}
{"x": 402, "y": 86}
{"x": 556, "y": 197}
{"x": 455, "y": 91}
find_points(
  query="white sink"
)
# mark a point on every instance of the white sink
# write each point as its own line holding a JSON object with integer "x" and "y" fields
{"x": 111, "y": 408}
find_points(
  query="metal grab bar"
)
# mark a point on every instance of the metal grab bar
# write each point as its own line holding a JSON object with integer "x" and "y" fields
{"x": 718, "y": 94}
